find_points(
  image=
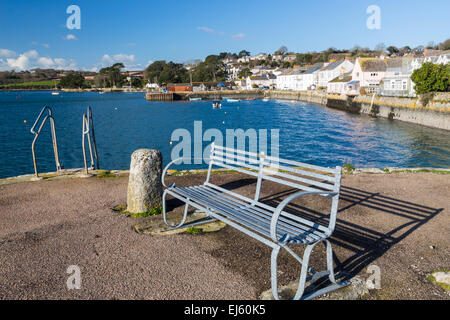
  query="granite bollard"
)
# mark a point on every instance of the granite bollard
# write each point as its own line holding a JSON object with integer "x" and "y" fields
{"x": 144, "y": 185}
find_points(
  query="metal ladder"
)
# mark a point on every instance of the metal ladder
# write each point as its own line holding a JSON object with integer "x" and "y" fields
{"x": 88, "y": 131}
{"x": 38, "y": 132}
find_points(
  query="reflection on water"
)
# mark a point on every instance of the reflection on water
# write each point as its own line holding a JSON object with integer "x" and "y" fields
{"x": 125, "y": 122}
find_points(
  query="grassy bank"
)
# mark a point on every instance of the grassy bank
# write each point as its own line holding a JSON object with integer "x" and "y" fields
{"x": 30, "y": 85}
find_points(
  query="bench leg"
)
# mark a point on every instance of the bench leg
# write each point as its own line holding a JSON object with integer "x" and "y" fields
{"x": 165, "y": 213}
{"x": 304, "y": 273}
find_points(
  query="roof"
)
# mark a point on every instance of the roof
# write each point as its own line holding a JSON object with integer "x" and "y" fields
{"x": 346, "y": 77}
{"x": 333, "y": 65}
{"x": 314, "y": 68}
{"x": 372, "y": 65}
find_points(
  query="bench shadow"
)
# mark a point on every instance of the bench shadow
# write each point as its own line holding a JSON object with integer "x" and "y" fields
{"x": 365, "y": 244}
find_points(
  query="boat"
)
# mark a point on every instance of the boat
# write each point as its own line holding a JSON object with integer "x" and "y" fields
{"x": 233, "y": 100}
{"x": 55, "y": 93}
{"x": 250, "y": 99}
{"x": 266, "y": 99}
{"x": 195, "y": 99}
{"x": 217, "y": 104}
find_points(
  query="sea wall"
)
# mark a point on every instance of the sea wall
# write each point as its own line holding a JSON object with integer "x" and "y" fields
{"x": 435, "y": 114}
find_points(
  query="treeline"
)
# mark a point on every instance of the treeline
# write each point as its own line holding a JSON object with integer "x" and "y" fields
{"x": 163, "y": 72}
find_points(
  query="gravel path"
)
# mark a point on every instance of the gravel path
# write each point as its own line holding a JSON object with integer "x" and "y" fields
{"x": 387, "y": 220}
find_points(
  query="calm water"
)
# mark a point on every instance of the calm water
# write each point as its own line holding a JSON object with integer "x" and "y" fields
{"x": 125, "y": 122}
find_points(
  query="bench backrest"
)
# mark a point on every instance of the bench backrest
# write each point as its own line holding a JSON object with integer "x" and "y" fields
{"x": 302, "y": 176}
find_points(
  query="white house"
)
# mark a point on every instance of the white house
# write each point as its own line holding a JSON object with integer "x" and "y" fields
{"x": 343, "y": 85}
{"x": 334, "y": 70}
{"x": 310, "y": 78}
{"x": 290, "y": 57}
{"x": 369, "y": 72}
{"x": 397, "y": 81}
{"x": 290, "y": 79}
{"x": 258, "y": 82}
{"x": 261, "y": 56}
{"x": 244, "y": 59}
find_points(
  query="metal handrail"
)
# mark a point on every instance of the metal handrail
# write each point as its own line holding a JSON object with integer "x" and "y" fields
{"x": 88, "y": 130}
{"x": 38, "y": 132}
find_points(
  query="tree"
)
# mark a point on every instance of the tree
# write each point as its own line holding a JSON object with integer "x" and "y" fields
{"x": 445, "y": 45}
{"x": 244, "y": 73}
{"x": 244, "y": 53}
{"x": 380, "y": 48}
{"x": 112, "y": 76}
{"x": 392, "y": 50}
{"x": 161, "y": 72}
{"x": 303, "y": 58}
{"x": 431, "y": 78}
{"x": 72, "y": 81}
{"x": 282, "y": 51}
{"x": 209, "y": 70}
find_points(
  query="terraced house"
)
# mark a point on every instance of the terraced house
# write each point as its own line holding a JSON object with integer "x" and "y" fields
{"x": 369, "y": 72}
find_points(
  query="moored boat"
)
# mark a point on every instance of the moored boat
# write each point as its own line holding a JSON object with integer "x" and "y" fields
{"x": 217, "y": 104}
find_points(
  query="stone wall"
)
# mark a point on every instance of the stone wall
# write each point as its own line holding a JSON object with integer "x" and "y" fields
{"x": 436, "y": 114}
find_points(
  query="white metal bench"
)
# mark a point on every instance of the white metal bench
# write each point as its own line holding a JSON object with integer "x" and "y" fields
{"x": 272, "y": 226}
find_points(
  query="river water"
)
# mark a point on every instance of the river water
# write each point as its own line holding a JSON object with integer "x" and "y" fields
{"x": 125, "y": 122}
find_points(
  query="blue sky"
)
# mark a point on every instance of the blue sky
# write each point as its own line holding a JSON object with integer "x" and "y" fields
{"x": 34, "y": 33}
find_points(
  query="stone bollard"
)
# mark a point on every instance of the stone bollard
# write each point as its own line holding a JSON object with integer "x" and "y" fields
{"x": 144, "y": 185}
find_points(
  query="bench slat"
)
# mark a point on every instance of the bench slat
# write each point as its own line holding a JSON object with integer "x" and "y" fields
{"x": 326, "y": 186}
{"x": 287, "y": 225}
{"x": 302, "y": 165}
{"x": 269, "y": 208}
{"x": 252, "y": 154}
{"x": 301, "y": 172}
{"x": 256, "y": 222}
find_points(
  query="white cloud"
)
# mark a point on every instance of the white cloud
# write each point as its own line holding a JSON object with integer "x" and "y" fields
{"x": 45, "y": 45}
{"x": 32, "y": 54}
{"x": 31, "y": 59}
{"x": 212, "y": 31}
{"x": 206, "y": 29}
{"x": 129, "y": 60}
{"x": 107, "y": 59}
{"x": 7, "y": 53}
{"x": 70, "y": 37}
{"x": 238, "y": 36}
{"x": 21, "y": 63}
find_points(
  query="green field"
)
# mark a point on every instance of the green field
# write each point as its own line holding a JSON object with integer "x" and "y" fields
{"x": 38, "y": 84}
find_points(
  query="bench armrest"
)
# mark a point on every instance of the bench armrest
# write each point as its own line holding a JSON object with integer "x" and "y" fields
{"x": 278, "y": 211}
{"x": 170, "y": 164}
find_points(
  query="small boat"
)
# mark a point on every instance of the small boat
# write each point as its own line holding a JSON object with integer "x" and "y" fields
{"x": 217, "y": 104}
{"x": 101, "y": 92}
{"x": 195, "y": 99}
{"x": 55, "y": 93}
{"x": 266, "y": 99}
{"x": 250, "y": 99}
{"x": 233, "y": 100}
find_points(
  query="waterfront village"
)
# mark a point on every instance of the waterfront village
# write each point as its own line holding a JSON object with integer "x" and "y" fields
{"x": 389, "y": 72}
{"x": 384, "y": 75}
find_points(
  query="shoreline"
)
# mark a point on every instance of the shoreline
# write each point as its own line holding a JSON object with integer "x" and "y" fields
{"x": 79, "y": 173}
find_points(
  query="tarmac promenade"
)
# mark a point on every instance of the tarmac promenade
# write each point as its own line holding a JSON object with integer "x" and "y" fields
{"x": 399, "y": 222}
